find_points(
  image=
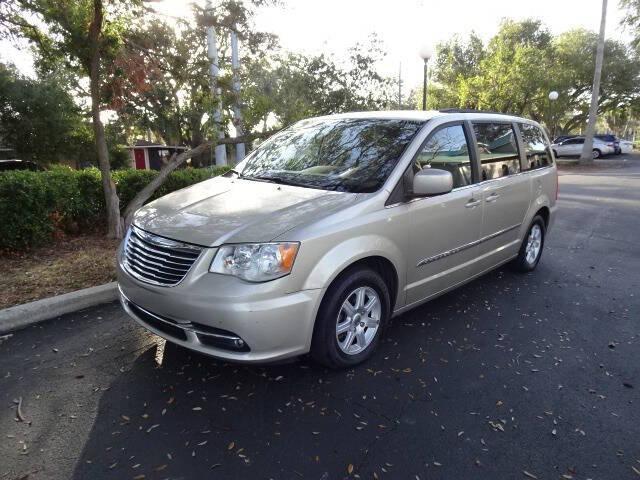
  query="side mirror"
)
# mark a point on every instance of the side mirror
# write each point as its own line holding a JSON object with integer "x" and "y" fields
{"x": 432, "y": 181}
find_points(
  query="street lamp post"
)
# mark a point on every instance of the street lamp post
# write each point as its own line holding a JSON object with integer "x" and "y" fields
{"x": 553, "y": 96}
{"x": 426, "y": 52}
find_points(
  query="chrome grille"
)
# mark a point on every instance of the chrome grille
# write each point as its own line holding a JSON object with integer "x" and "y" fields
{"x": 157, "y": 260}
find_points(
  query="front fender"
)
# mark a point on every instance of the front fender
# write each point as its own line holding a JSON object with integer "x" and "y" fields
{"x": 349, "y": 251}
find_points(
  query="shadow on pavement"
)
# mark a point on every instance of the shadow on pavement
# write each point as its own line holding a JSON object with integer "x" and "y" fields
{"x": 502, "y": 376}
{"x": 178, "y": 414}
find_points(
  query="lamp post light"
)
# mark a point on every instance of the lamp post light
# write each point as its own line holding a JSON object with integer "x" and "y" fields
{"x": 426, "y": 52}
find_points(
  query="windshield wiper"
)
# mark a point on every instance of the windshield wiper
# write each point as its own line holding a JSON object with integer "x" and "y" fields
{"x": 258, "y": 179}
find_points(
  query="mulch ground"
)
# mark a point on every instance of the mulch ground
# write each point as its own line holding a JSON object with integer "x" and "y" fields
{"x": 69, "y": 264}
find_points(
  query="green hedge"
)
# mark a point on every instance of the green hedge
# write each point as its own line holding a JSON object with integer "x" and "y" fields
{"x": 34, "y": 205}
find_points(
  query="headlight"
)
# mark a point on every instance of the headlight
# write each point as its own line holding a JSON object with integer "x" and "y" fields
{"x": 255, "y": 262}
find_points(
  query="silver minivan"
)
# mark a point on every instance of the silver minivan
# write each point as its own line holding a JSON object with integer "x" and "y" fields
{"x": 335, "y": 225}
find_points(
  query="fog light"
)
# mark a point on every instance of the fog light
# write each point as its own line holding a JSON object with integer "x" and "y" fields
{"x": 239, "y": 343}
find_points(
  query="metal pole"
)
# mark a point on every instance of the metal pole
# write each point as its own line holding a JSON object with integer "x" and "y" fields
{"x": 424, "y": 86}
{"x": 587, "y": 148}
{"x": 400, "y": 86}
{"x": 214, "y": 70}
{"x": 237, "y": 111}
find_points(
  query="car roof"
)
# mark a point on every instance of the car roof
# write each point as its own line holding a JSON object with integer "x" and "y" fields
{"x": 418, "y": 115}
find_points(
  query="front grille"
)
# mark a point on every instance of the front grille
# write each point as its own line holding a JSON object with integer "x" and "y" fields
{"x": 157, "y": 260}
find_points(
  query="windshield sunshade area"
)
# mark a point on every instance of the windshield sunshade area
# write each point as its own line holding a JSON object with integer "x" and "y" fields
{"x": 350, "y": 155}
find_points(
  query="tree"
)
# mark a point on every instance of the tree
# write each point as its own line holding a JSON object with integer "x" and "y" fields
{"x": 457, "y": 61}
{"x": 522, "y": 63}
{"x": 287, "y": 87}
{"x": 587, "y": 155}
{"x": 510, "y": 75}
{"x": 39, "y": 119}
{"x": 632, "y": 19}
{"x": 174, "y": 100}
{"x": 573, "y": 76}
{"x": 85, "y": 36}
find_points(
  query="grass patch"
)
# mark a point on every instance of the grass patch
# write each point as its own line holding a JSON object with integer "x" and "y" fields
{"x": 69, "y": 264}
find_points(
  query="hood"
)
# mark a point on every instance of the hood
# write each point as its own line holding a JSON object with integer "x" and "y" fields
{"x": 228, "y": 210}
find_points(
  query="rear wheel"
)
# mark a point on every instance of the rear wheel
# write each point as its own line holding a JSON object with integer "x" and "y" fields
{"x": 532, "y": 245}
{"x": 596, "y": 153}
{"x": 354, "y": 311}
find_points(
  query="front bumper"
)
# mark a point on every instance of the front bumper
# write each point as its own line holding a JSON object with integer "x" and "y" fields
{"x": 224, "y": 316}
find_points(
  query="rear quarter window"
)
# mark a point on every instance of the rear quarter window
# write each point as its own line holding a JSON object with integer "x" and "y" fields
{"x": 536, "y": 147}
{"x": 497, "y": 149}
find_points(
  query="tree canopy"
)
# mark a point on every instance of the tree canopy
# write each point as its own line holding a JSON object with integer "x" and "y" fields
{"x": 515, "y": 71}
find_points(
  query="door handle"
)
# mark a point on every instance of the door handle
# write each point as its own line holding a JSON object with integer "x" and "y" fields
{"x": 492, "y": 198}
{"x": 472, "y": 203}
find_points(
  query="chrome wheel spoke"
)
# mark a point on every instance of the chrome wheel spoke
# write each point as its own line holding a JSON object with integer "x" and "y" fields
{"x": 348, "y": 340}
{"x": 360, "y": 294}
{"x": 370, "y": 304}
{"x": 361, "y": 340}
{"x": 371, "y": 322}
{"x": 348, "y": 309}
{"x": 343, "y": 327}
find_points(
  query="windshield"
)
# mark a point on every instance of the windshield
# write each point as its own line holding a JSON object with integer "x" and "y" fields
{"x": 350, "y": 155}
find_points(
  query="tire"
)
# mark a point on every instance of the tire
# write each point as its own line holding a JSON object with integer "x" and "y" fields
{"x": 555, "y": 154}
{"x": 524, "y": 262}
{"x": 332, "y": 349}
{"x": 596, "y": 153}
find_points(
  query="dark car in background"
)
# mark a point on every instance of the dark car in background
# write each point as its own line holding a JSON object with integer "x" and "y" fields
{"x": 8, "y": 161}
{"x": 612, "y": 141}
{"x": 15, "y": 164}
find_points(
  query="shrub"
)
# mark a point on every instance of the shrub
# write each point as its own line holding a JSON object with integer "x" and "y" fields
{"x": 34, "y": 205}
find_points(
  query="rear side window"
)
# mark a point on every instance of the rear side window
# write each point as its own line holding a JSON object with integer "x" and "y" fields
{"x": 498, "y": 150}
{"x": 447, "y": 149}
{"x": 536, "y": 147}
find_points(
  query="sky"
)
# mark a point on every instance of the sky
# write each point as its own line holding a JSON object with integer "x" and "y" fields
{"x": 404, "y": 26}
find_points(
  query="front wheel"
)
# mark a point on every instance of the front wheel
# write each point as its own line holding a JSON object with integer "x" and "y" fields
{"x": 532, "y": 245}
{"x": 353, "y": 313}
{"x": 596, "y": 153}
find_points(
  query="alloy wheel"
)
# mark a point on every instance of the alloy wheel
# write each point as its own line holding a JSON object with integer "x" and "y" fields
{"x": 358, "y": 320}
{"x": 534, "y": 244}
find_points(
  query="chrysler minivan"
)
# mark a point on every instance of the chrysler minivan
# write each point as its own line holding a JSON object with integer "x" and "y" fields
{"x": 335, "y": 225}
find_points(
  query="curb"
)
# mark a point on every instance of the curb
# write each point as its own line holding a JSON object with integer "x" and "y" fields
{"x": 21, "y": 316}
{"x": 565, "y": 161}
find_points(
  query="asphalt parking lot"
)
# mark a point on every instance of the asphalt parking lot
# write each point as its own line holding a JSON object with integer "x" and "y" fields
{"x": 512, "y": 376}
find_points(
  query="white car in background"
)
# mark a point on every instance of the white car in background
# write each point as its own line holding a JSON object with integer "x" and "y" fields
{"x": 573, "y": 147}
{"x": 626, "y": 146}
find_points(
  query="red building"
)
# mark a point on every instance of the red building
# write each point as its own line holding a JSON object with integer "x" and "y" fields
{"x": 151, "y": 156}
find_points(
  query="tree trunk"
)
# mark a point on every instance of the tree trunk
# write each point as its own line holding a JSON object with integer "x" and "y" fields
{"x": 111, "y": 200}
{"x": 587, "y": 148}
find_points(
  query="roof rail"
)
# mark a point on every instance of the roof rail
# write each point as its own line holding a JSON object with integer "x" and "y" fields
{"x": 471, "y": 110}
